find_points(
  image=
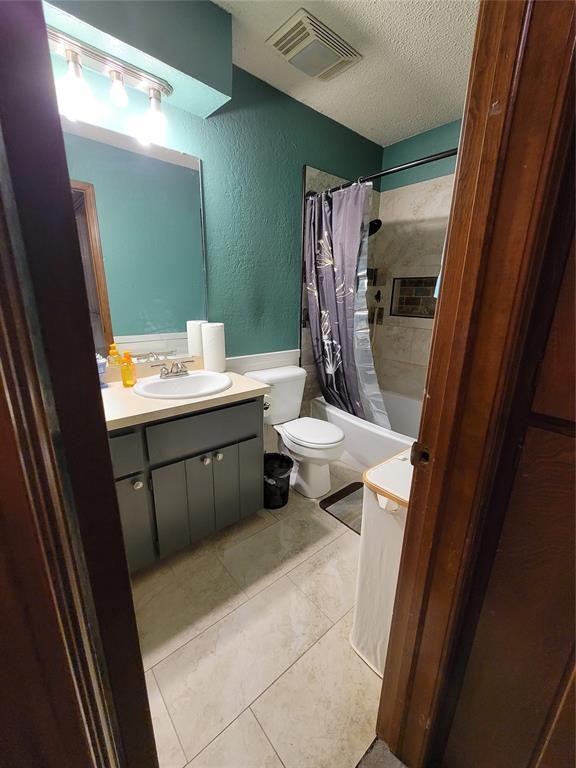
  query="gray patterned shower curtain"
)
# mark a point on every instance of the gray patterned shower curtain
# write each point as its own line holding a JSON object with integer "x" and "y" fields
{"x": 335, "y": 245}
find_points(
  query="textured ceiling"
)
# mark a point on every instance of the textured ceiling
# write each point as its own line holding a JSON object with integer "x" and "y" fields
{"x": 413, "y": 75}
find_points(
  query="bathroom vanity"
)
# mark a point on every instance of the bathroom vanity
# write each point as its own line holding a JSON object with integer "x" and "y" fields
{"x": 184, "y": 469}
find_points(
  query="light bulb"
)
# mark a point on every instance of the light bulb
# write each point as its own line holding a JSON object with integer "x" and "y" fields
{"x": 151, "y": 128}
{"x": 75, "y": 99}
{"x": 117, "y": 90}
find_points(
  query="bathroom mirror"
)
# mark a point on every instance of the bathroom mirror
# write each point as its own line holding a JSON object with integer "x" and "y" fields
{"x": 140, "y": 225}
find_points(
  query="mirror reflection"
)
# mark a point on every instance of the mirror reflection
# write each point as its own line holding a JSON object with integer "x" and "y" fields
{"x": 139, "y": 217}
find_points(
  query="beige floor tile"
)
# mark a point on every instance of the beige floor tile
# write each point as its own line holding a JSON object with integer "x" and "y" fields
{"x": 146, "y": 584}
{"x": 243, "y": 530}
{"x": 322, "y": 712}
{"x": 328, "y": 578}
{"x": 296, "y": 502}
{"x": 212, "y": 679}
{"x": 342, "y": 475}
{"x": 242, "y": 745}
{"x": 260, "y": 560}
{"x": 170, "y": 753}
{"x": 198, "y": 593}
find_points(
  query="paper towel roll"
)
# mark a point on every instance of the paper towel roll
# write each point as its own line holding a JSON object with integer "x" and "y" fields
{"x": 194, "y": 333}
{"x": 214, "y": 347}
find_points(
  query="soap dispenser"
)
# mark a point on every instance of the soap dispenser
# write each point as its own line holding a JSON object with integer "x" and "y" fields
{"x": 128, "y": 370}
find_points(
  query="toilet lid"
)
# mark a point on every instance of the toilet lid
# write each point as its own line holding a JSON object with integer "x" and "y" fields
{"x": 312, "y": 432}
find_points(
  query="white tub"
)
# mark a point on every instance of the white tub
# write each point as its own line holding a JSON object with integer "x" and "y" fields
{"x": 366, "y": 444}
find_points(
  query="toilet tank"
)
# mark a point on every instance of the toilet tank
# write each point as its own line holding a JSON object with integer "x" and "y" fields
{"x": 286, "y": 389}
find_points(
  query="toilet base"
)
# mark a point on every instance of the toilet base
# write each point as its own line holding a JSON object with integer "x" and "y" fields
{"x": 312, "y": 480}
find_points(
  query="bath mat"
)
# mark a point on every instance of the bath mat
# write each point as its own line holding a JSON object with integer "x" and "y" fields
{"x": 346, "y": 505}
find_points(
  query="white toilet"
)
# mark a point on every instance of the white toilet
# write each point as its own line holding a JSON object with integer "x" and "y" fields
{"x": 312, "y": 443}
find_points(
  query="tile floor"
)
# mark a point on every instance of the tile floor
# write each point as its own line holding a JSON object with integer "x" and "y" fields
{"x": 379, "y": 756}
{"x": 245, "y": 645}
{"x": 348, "y": 509}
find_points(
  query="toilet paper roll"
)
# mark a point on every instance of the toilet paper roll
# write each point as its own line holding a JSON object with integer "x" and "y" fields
{"x": 214, "y": 347}
{"x": 194, "y": 333}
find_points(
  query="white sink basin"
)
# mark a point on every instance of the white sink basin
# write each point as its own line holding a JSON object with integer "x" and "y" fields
{"x": 193, "y": 384}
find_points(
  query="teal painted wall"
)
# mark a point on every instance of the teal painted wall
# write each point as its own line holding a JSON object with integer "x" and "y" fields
{"x": 428, "y": 143}
{"x": 150, "y": 232}
{"x": 192, "y": 37}
{"x": 253, "y": 151}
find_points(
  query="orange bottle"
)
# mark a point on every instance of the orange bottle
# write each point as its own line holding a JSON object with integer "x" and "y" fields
{"x": 128, "y": 370}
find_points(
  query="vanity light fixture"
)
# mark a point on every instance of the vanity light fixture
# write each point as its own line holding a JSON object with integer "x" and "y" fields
{"x": 117, "y": 90}
{"x": 75, "y": 98}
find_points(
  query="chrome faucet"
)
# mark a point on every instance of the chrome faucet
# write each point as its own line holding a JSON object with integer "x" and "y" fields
{"x": 176, "y": 369}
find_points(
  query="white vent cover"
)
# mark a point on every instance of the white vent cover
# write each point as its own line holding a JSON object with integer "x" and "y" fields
{"x": 312, "y": 47}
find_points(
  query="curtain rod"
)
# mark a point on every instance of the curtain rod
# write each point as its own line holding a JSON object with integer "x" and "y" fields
{"x": 396, "y": 169}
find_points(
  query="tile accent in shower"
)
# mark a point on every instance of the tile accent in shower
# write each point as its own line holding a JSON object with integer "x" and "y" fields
{"x": 413, "y": 297}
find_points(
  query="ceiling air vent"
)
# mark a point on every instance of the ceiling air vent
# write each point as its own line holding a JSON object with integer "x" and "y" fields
{"x": 312, "y": 47}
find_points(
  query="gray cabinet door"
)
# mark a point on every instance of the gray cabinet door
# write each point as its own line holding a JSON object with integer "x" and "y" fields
{"x": 137, "y": 520}
{"x": 171, "y": 503}
{"x": 251, "y": 476}
{"x": 226, "y": 501}
{"x": 200, "y": 487}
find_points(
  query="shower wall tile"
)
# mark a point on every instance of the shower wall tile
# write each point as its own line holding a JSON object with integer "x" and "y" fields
{"x": 312, "y": 387}
{"x": 404, "y": 378}
{"x": 393, "y": 343}
{"x": 306, "y": 351}
{"x": 421, "y": 341}
{"x": 409, "y": 244}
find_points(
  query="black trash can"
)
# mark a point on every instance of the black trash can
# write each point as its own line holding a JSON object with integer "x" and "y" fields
{"x": 277, "y": 468}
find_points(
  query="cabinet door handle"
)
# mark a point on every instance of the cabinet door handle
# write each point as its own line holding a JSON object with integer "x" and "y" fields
{"x": 206, "y": 460}
{"x": 137, "y": 485}
{"x": 218, "y": 456}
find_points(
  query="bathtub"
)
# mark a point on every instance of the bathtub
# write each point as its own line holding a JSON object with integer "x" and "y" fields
{"x": 366, "y": 444}
{"x": 404, "y": 413}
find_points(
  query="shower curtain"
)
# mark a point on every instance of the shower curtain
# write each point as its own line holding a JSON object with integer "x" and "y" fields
{"x": 335, "y": 246}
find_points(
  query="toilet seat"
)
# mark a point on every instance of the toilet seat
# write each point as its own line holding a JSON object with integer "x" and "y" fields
{"x": 313, "y": 433}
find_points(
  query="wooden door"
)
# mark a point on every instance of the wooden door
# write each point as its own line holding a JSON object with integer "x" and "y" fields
{"x": 519, "y": 670}
{"x": 73, "y": 683}
{"x": 521, "y": 659}
{"x": 508, "y": 239}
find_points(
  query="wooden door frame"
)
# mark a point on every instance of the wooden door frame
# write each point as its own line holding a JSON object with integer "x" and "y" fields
{"x": 96, "y": 257}
{"x": 54, "y": 674}
{"x": 56, "y": 404}
{"x": 516, "y": 133}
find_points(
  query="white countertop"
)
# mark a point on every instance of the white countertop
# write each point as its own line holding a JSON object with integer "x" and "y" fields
{"x": 392, "y": 478}
{"x": 124, "y": 408}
